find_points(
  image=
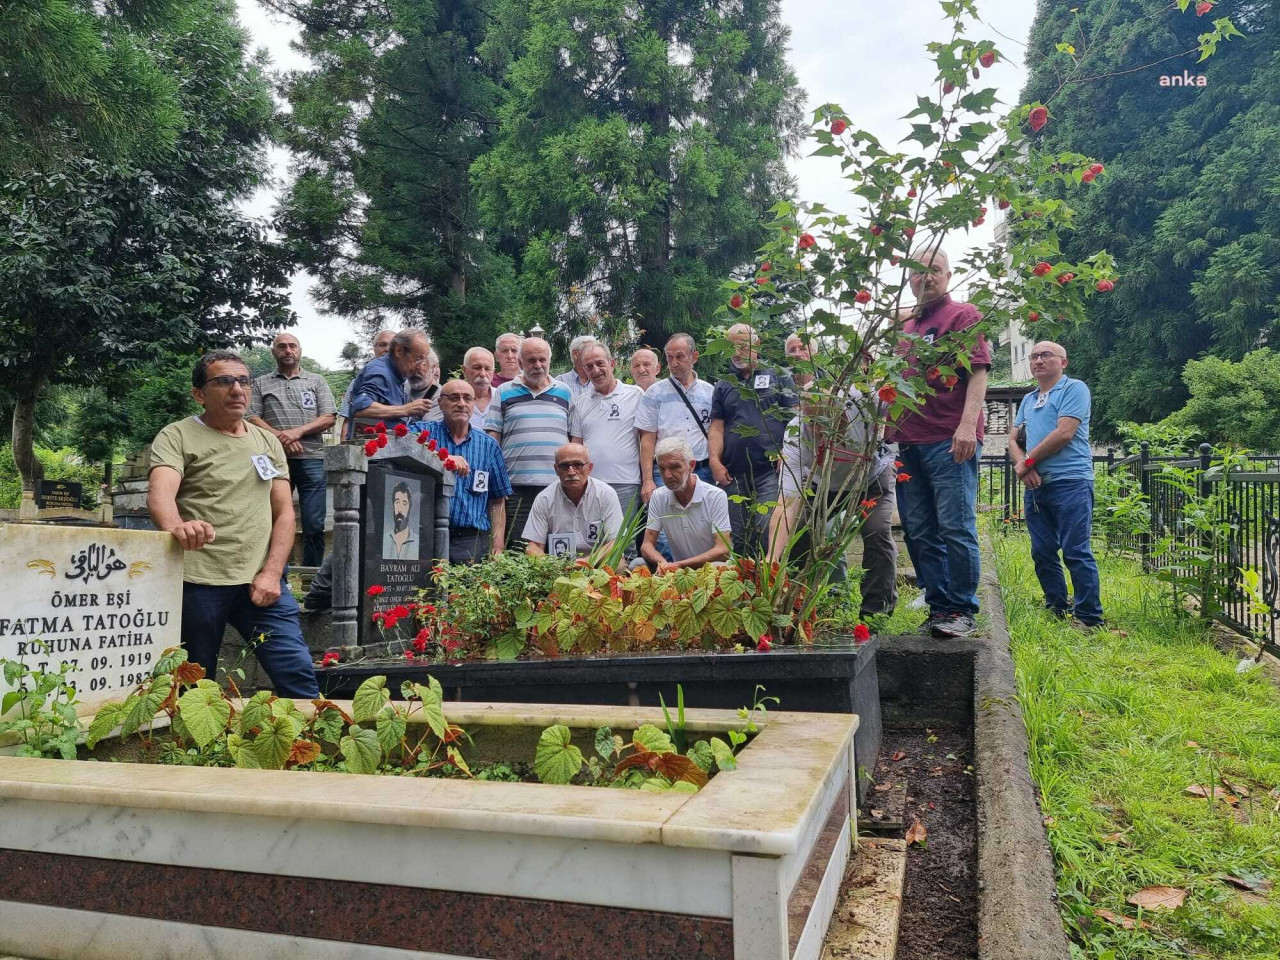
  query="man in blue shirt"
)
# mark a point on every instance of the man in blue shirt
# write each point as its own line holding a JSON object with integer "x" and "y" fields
{"x": 477, "y": 513}
{"x": 1054, "y": 462}
{"x": 379, "y": 394}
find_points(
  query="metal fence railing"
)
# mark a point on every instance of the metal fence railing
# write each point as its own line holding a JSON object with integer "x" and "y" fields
{"x": 1181, "y": 508}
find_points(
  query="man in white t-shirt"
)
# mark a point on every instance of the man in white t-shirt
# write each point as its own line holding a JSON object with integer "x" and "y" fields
{"x": 692, "y": 513}
{"x": 604, "y": 420}
{"x": 577, "y": 513}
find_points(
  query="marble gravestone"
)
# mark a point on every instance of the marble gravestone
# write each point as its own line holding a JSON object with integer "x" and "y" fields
{"x": 105, "y": 601}
{"x": 390, "y": 526}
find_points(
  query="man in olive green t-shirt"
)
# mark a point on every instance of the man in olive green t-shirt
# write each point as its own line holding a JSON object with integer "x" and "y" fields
{"x": 220, "y": 485}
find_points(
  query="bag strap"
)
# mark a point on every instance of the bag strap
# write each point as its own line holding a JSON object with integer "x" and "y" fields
{"x": 696, "y": 419}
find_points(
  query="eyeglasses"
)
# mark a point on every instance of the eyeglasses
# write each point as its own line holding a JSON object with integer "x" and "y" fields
{"x": 574, "y": 465}
{"x": 1044, "y": 355}
{"x": 226, "y": 382}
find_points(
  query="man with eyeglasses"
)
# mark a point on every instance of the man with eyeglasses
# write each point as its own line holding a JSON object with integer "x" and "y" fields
{"x": 297, "y": 406}
{"x": 1051, "y": 455}
{"x": 379, "y": 393}
{"x": 220, "y": 486}
{"x": 381, "y": 344}
{"x": 575, "y": 515}
{"x": 940, "y": 445}
{"x": 477, "y": 511}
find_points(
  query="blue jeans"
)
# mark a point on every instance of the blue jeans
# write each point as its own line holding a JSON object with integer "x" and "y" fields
{"x": 750, "y": 527}
{"x": 206, "y": 611}
{"x": 938, "y": 509}
{"x": 307, "y": 477}
{"x": 1060, "y": 517}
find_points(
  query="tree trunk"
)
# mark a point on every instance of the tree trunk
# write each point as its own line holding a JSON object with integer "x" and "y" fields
{"x": 24, "y": 417}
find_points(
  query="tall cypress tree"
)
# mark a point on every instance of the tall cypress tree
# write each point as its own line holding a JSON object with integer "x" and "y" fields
{"x": 640, "y": 147}
{"x": 1188, "y": 203}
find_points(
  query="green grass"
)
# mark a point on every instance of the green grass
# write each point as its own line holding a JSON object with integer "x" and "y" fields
{"x": 1119, "y": 727}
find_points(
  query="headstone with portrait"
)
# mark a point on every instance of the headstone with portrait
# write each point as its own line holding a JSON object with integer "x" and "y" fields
{"x": 104, "y": 601}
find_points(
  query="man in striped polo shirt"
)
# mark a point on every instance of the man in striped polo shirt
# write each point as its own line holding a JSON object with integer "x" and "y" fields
{"x": 529, "y": 418}
{"x": 477, "y": 512}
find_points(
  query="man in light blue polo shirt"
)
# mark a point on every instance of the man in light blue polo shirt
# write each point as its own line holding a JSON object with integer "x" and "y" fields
{"x": 1054, "y": 462}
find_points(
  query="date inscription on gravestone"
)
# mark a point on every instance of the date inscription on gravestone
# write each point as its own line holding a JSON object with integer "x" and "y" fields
{"x": 104, "y": 601}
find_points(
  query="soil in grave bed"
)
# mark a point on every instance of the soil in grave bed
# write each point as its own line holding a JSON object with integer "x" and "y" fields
{"x": 940, "y": 900}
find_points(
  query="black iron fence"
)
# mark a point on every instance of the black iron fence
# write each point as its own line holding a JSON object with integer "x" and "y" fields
{"x": 1183, "y": 516}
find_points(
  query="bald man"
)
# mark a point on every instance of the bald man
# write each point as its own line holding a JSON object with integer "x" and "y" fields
{"x": 939, "y": 446}
{"x": 645, "y": 368}
{"x": 1051, "y": 455}
{"x": 297, "y": 407}
{"x": 577, "y": 514}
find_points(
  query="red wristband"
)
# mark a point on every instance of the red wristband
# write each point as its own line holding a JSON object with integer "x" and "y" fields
{"x": 1029, "y": 462}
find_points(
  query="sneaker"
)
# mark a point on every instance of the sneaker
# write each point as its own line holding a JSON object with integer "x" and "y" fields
{"x": 1088, "y": 627}
{"x": 1060, "y": 614}
{"x": 954, "y": 626}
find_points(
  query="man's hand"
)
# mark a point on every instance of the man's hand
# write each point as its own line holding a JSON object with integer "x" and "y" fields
{"x": 1030, "y": 478}
{"x": 647, "y": 488}
{"x": 461, "y": 467}
{"x": 668, "y": 567}
{"x": 721, "y": 473}
{"x": 416, "y": 408}
{"x": 291, "y": 441}
{"x": 265, "y": 589}
{"x": 193, "y": 534}
{"x": 964, "y": 442}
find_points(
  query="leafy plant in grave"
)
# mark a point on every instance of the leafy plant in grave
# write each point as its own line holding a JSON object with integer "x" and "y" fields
{"x": 210, "y": 728}
{"x": 654, "y": 760}
{"x": 45, "y": 705}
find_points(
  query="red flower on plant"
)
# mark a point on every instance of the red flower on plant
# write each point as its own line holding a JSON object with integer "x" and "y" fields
{"x": 370, "y": 447}
{"x": 911, "y": 192}
{"x": 381, "y": 427}
{"x": 861, "y": 633}
{"x": 765, "y": 643}
{"x": 1041, "y": 269}
{"x": 1096, "y": 168}
{"x": 904, "y": 477}
{"x": 389, "y": 622}
{"x": 948, "y": 87}
{"x": 888, "y": 393}
{"x": 378, "y": 617}
{"x": 988, "y": 58}
{"x": 735, "y": 301}
{"x": 806, "y": 241}
{"x": 376, "y": 590}
{"x": 330, "y": 658}
{"x": 382, "y": 440}
{"x": 1065, "y": 278}
{"x": 897, "y": 464}
{"x": 950, "y": 381}
{"x": 876, "y": 229}
{"x": 399, "y": 611}
{"x": 1002, "y": 204}
{"x": 1032, "y": 317}
{"x": 909, "y": 232}
{"x": 402, "y": 430}
{"x": 420, "y": 641}
{"x": 863, "y": 296}
{"x": 1087, "y": 176}
{"x": 428, "y": 608}
{"x": 761, "y": 281}
{"x": 1105, "y": 286}
{"x": 1203, "y": 7}
{"x": 838, "y": 127}
{"x": 766, "y": 266}
{"x": 1038, "y": 118}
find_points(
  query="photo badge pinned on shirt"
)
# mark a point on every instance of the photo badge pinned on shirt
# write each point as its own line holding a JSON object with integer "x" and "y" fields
{"x": 479, "y": 481}
{"x": 762, "y": 381}
{"x": 308, "y": 399}
{"x": 562, "y": 544}
{"x": 266, "y": 469}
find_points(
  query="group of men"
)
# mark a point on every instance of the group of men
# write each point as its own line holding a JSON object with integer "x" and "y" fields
{"x": 564, "y": 463}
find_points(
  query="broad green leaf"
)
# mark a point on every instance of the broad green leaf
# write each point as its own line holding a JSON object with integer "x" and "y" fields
{"x": 433, "y": 712}
{"x": 731, "y": 588}
{"x": 557, "y": 760}
{"x": 607, "y": 744}
{"x": 329, "y": 725}
{"x": 702, "y": 754}
{"x": 274, "y": 742}
{"x": 169, "y": 661}
{"x": 205, "y": 712}
{"x": 456, "y": 758}
{"x": 104, "y": 721}
{"x": 143, "y": 707}
{"x": 725, "y": 759}
{"x": 390, "y": 729}
{"x": 10, "y": 698}
{"x": 683, "y": 786}
{"x": 255, "y": 712}
{"x": 369, "y": 699}
{"x": 657, "y": 785}
{"x": 757, "y": 616}
{"x": 510, "y": 645}
{"x": 238, "y": 747}
{"x": 724, "y": 617}
{"x": 651, "y": 738}
{"x": 361, "y": 750}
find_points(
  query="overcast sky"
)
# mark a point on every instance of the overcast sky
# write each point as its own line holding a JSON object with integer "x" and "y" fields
{"x": 867, "y": 57}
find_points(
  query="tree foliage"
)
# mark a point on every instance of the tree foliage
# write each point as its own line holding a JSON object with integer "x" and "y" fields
{"x": 1232, "y": 403}
{"x": 1187, "y": 205}
{"x": 640, "y": 148}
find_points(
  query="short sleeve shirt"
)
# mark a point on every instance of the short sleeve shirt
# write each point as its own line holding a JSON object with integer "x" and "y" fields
{"x": 531, "y": 427}
{"x": 1040, "y": 412}
{"x": 690, "y": 530}
{"x": 607, "y": 426}
{"x": 487, "y": 479}
{"x": 288, "y": 402}
{"x": 379, "y": 382}
{"x": 223, "y": 484}
{"x": 760, "y": 402}
{"x": 664, "y": 413}
{"x": 568, "y": 528}
{"x": 576, "y": 387}
{"x": 797, "y": 461}
{"x": 941, "y": 413}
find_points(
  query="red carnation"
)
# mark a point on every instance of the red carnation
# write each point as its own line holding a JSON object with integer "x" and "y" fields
{"x": 420, "y": 641}
{"x": 399, "y": 611}
{"x": 450, "y": 464}
{"x": 735, "y": 301}
{"x": 431, "y": 445}
{"x": 381, "y": 427}
{"x": 408, "y": 654}
{"x": 377, "y": 617}
{"x": 376, "y": 590}
{"x": 904, "y": 477}
{"x": 888, "y": 393}
{"x": 765, "y": 644}
{"x": 382, "y": 440}
{"x": 442, "y": 453}
{"x": 861, "y": 633}
{"x": 329, "y": 659}
{"x": 401, "y": 430}
{"x": 370, "y": 431}
{"x": 1041, "y": 269}
{"x": 806, "y": 241}
{"x": 863, "y": 296}
{"x": 422, "y": 438}
{"x": 1105, "y": 286}
{"x": 838, "y": 127}
{"x": 370, "y": 447}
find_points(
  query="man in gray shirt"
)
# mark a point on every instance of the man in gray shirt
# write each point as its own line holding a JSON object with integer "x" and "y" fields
{"x": 577, "y": 513}
{"x": 297, "y": 407}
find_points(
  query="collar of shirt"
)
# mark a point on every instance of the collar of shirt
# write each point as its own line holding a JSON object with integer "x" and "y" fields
{"x": 699, "y": 494}
{"x": 297, "y": 376}
{"x": 933, "y": 306}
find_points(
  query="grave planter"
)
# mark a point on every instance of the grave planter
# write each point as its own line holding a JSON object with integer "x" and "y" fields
{"x": 831, "y": 679}
{"x": 120, "y": 860}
